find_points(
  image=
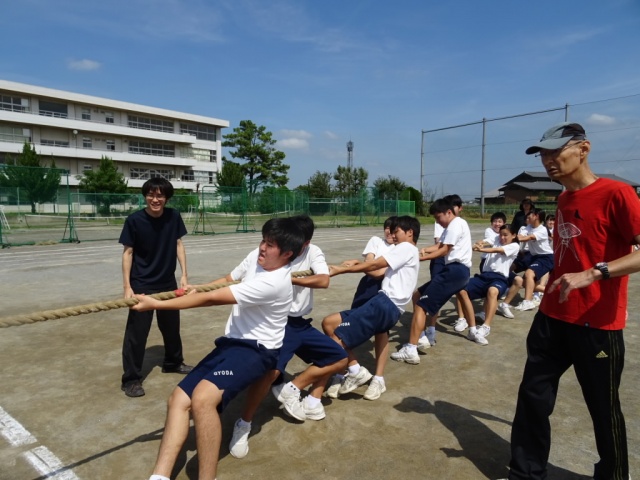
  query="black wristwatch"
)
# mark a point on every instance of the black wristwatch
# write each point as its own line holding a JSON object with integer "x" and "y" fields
{"x": 604, "y": 268}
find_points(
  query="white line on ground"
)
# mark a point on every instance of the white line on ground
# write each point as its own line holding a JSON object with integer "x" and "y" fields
{"x": 13, "y": 431}
{"x": 46, "y": 463}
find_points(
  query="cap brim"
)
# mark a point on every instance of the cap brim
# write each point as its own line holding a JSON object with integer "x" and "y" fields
{"x": 551, "y": 144}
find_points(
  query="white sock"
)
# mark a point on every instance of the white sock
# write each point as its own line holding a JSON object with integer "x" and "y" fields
{"x": 312, "y": 401}
{"x": 379, "y": 379}
{"x": 242, "y": 423}
{"x": 292, "y": 388}
{"x": 158, "y": 477}
{"x": 462, "y": 318}
{"x": 411, "y": 347}
{"x": 473, "y": 330}
{"x": 354, "y": 369}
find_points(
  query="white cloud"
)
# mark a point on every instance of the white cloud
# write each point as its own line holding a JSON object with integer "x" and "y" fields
{"x": 84, "y": 64}
{"x": 294, "y": 143}
{"x": 599, "y": 119}
{"x": 302, "y": 134}
{"x": 330, "y": 135}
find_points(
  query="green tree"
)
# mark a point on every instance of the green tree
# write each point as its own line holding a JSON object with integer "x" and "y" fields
{"x": 319, "y": 185}
{"x": 264, "y": 165}
{"x": 106, "y": 184}
{"x": 412, "y": 194}
{"x": 37, "y": 183}
{"x": 389, "y": 187}
{"x": 349, "y": 181}
{"x": 231, "y": 174}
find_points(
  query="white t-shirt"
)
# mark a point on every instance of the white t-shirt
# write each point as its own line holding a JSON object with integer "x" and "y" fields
{"x": 458, "y": 235}
{"x": 437, "y": 231}
{"x": 312, "y": 258}
{"x": 499, "y": 262}
{"x": 525, "y": 230}
{"x": 401, "y": 277}
{"x": 491, "y": 237}
{"x": 377, "y": 246}
{"x": 264, "y": 300}
{"x": 541, "y": 245}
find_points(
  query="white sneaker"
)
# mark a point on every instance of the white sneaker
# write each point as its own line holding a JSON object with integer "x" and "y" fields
{"x": 460, "y": 325}
{"x": 315, "y": 413}
{"x": 239, "y": 445}
{"x": 481, "y": 333}
{"x": 474, "y": 337}
{"x": 292, "y": 404}
{"x": 432, "y": 337}
{"x": 481, "y": 316}
{"x": 483, "y": 330}
{"x": 351, "y": 382}
{"x": 505, "y": 311}
{"x": 276, "y": 390}
{"x": 526, "y": 305}
{"x": 375, "y": 389}
{"x": 334, "y": 387}
{"x": 537, "y": 298}
{"x": 423, "y": 344}
{"x": 406, "y": 354}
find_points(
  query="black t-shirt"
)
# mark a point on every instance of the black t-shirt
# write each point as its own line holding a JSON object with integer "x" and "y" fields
{"x": 154, "y": 242}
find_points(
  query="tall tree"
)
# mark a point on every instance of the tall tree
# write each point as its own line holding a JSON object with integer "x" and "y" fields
{"x": 349, "y": 181}
{"x": 319, "y": 185}
{"x": 264, "y": 165}
{"x": 231, "y": 174}
{"x": 389, "y": 187}
{"x": 105, "y": 183}
{"x": 37, "y": 183}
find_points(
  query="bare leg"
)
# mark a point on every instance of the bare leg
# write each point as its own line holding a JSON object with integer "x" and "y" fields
{"x": 529, "y": 284}
{"x": 205, "y": 400}
{"x": 176, "y": 429}
{"x": 490, "y": 305}
{"x": 382, "y": 352}
{"x": 467, "y": 307}
{"x": 513, "y": 290}
{"x": 418, "y": 322}
{"x": 256, "y": 393}
{"x": 318, "y": 377}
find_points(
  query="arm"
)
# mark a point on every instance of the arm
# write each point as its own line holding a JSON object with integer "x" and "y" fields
{"x": 436, "y": 251}
{"x": 617, "y": 268}
{"x": 127, "y": 261}
{"x": 312, "y": 281}
{"x": 182, "y": 260}
{"x": 222, "y": 296}
{"x": 489, "y": 249}
{"x": 526, "y": 238}
{"x": 362, "y": 267}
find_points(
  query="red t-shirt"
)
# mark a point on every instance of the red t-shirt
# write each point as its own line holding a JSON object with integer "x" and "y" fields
{"x": 595, "y": 224}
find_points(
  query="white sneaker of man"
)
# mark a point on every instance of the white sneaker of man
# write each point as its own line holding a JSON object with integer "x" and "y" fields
{"x": 239, "y": 445}
{"x": 482, "y": 332}
{"x": 375, "y": 389}
{"x": 460, "y": 325}
{"x": 407, "y": 354}
{"x": 505, "y": 311}
{"x": 333, "y": 389}
{"x": 292, "y": 404}
{"x": 313, "y": 413}
{"x": 474, "y": 337}
{"x": 526, "y": 305}
{"x": 423, "y": 344}
{"x": 353, "y": 381}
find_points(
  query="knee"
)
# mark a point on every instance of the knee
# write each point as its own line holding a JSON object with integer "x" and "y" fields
{"x": 178, "y": 400}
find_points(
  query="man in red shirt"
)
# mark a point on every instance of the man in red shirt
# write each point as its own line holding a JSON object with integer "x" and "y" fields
{"x": 583, "y": 311}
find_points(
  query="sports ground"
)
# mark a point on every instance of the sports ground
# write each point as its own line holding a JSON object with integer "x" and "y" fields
{"x": 63, "y": 416}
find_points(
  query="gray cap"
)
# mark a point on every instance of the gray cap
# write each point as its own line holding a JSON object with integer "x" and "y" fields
{"x": 558, "y": 136}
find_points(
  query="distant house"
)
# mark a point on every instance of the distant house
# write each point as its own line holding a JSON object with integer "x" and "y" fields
{"x": 538, "y": 187}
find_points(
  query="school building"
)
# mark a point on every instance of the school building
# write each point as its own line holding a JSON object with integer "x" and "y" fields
{"x": 77, "y": 130}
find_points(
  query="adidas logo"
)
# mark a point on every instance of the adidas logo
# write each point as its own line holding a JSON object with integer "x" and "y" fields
{"x": 602, "y": 355}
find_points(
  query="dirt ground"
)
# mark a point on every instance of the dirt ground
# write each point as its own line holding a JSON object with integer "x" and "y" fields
{"x": 63, "y": 416}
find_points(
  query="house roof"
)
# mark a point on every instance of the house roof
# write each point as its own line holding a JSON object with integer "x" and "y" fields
{"x": 548, "y": 186}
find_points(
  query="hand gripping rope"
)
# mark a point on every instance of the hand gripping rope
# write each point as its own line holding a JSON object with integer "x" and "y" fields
{"x": 17, "y": 320}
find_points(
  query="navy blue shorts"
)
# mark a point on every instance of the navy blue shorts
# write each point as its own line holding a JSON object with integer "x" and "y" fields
{"x": 367, "y": 289}
{"x": 378, "y": 315}
{"x": 232, "y": 366}
{"x": 482, "y": 260}
{"x": 434, "y": 294}
{"x": 435, "y": 266}
{"x": 541, "y": 265}
{"x": 522, "y": 261}
{"x": 480, "y": 284}
{"x": 308, "y": 343}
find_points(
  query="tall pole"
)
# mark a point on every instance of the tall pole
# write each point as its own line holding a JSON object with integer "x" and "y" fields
{"x": 484, "y": 142}
{"x": 422, "y": 165}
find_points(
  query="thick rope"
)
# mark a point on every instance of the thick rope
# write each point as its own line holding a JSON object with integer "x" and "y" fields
{"x": 17, "y": 320}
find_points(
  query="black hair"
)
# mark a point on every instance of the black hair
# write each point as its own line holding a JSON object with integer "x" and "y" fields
{"x": 391, "y": 223}
{"x": 499, "y": 216}
{"x": 305, "y": 223}
{"x": 285, "y": 233}
{"x": 512, "y": 229}
{"x": 406, "y": 223}
{"x": 454, "y": 199}
{"x": 542, "y": 215}
{"x": 551, "y": 217}
{"x": 527, "y": 201}
{"x": 158, "y": 184}
{"x": 441, "y": 205}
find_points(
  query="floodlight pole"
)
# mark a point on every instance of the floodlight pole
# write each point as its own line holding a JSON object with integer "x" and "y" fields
{"x": 484, "y": 142}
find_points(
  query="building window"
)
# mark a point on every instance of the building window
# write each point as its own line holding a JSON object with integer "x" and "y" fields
{"x": 147, "y": 173}
{"x": 108, "y": 117}
{"x": 144, "y": 123}
{"x": 86, "y": 114}
{"x": 203, "y": 155}
{"x": 203, "y": 178}
{"x": 14, "y": 104}
{"x": 87, "y": 167}
{"x": 14, "y": 134}
{"x": 53, "y": 109}
{"x": 86, "y": 143}
{"x": 201, "y": 132}
{"x": 111, "y": 145}
{"x": 54, "y": 143}
{"x": 187, "y": 176}
{"x": 157, "y": 149}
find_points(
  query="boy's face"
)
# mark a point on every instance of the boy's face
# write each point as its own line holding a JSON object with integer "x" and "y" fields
{"x": 506, "y": 236}
{"x": 155, "y": 203}
{"x": 269, "y": 257}
{"x": 400, "y": 235}
{"x": 444, "y": 219}
{"x": 388, "y": 235}
{"x": 496, "y": 224}
{"x": 456, "y": 210}
{"x": 551, "y": 224}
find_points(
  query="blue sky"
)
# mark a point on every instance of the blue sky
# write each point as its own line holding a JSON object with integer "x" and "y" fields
{"x": 319, "y": 73}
